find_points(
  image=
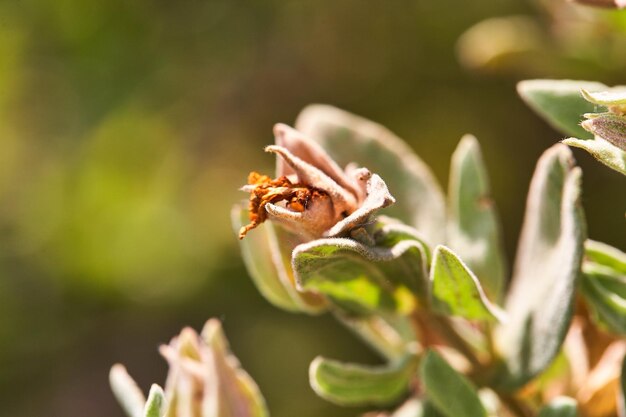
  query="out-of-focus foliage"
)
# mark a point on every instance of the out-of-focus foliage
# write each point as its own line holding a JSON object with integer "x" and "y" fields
{"x": 587, "y": 42}
{"x": 126, "y": 129}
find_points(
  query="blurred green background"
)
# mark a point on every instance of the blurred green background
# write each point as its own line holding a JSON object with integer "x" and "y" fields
{"x": 126, "y": 128}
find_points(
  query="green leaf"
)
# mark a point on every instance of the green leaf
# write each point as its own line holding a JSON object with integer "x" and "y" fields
{"x": 363, "y": 279}
{"x": 606, "y": 295}
{"x": 266, "y": 254}
{"x": 456, "y": 290}
{"x": 539, "y": 304}
{"x": 126, "y": 391}
{"x": 610, "y": 155}
{"x": 156, "y": 404}
{"x": 351, "y": 384}
{"x": 388, "y": 232}
{"x": 349, "y": 138}
{"x": 604, "y": 285}
{"x": 560, "y": 407}
{"x": 473, "y": 225}
{"x": 452, "y": 393}
{"x": 560, "y": 102}
{"x": 605, "y": 255}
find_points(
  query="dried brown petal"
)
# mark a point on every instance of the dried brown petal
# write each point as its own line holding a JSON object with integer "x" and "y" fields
{"x": 378, "y": 196}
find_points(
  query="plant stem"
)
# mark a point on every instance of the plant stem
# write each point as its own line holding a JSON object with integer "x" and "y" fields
{"x": 432, "y": 329}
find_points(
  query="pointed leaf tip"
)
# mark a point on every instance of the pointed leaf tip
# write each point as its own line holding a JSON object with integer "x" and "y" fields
{"x": 560, "y": 102}
{"x": 539, "y": 304}
{"x": 456, "y": 290}
{"x": 126, "y": 391}
{"x": 473, "y": 224}
{"x": 156, "y": 404}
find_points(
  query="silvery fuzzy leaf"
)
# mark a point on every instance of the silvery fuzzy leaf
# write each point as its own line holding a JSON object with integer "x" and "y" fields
{"x": 560, "y": 102}
{"x": 559, "y": 407}
{"x": 610, "y": 155}
{"x": 126, "y": 391}
{"x": 473, "y": 224}
{"x": 608, "y": 126}
{"x": 363, "y": 279}
{"x": 539, "y": 303}
{"x": 351, "y": 384}
{"x": 267, "y": 256}
{"x": 349, "y": 138}
{"x": 451, "y": 393}
{"x": 457, "y": 292}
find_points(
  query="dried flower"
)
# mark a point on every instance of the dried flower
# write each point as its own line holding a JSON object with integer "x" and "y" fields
{"x": 312, "y": 196}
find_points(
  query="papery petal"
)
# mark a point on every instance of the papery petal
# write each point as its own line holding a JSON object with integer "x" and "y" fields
{"x": 343, "y": 200}
{"x": 378, "y": 196}
{"x": 310, "y": 152}
{"x": 360, "y": 177}
{"x": 311, "y": 223}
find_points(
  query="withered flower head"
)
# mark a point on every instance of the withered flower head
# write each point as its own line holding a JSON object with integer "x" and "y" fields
{"x": 312, "y": 195}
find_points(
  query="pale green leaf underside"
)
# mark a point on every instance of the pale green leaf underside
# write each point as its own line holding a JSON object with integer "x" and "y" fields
{"x": 473, "y": 225}
{"x": 449, "y": 391}
{"x": 539, "y": 304}
{"x": 605, "y": 292}
{"x": 605, "y": 255}
{"x": 349, "y": 138}
{"x": 456, "y": 290}
{"x": 363, "y": 279}
{"x": 604, "y": 284}
{"x": 612, "y": 97}
{"x": 351, "y": 384}
{"x": 560, "y": 102}
{"x": 156, "y": 404}
{"x": 610, "y": 155}
{"x": 268, "y": 263}
{"x": 559, "y": 407}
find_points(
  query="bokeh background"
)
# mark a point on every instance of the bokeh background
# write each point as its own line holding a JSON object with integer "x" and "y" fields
{"x": 126, "y": 128}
